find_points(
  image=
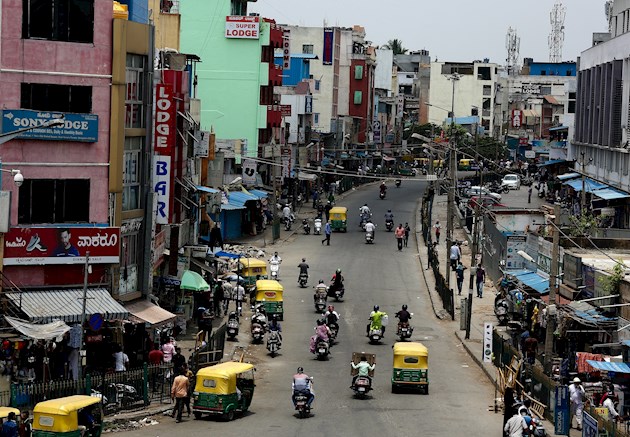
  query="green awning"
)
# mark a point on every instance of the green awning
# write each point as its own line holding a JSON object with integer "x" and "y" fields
{"x": 193, "y": 281}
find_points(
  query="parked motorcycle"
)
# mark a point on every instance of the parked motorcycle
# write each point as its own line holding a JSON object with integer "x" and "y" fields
{"x": 303, "y": 279}
{"x": 389, "y": 225}
{"x": 322, "y": 349}
{"x": 404, "y": 331}
{"x": 306, "y": 227}
{"x": 362, "y": 385}
{"x": 501, "y": 309}
{"x": 301, "y": 405}
{"x": 369, "y": 238}
{"x": 274, "y": 268}
{"x": 273, "y": 343}
{"x": 232, "y": 325}
{"x": 317, "y": 226}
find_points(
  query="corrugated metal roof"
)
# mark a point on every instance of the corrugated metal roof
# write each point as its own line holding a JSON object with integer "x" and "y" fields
{"x": 239, "y": 198}
{"x": 259, "y": 193}
{"x": 551, "y": 162}
{"x": 610, "y": 367}
{"x": 207, "y": 189}
{"x": 532, "y": 280}
{"x": 610, "y": 194}
{"x": 567, "y": 176}
{"x": 231, "y": 207}
{"x": 67, "y": 305}
{"x": 589, "y": 185}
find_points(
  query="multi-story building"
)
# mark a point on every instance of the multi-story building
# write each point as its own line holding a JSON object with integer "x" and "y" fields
{"x": 414, "y": 82}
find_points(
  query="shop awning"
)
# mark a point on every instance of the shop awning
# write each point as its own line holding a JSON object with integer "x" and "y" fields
{"x": 610, "y": 194}
{"x": 552, "y": 162}
{"x": 259, "y": 193}
{"x": 532, "y": 280}
{"x": 193, "y": 281}
{"x": 149, "y": 312}
{"x": 530, "y": 113}
{"x": 231, "y": 207}
{"x": 39, "y": 332}
{"x": 610, "y": 367}
{"x": 222, "y": 254}
{"x": 588, "y": 315}
{"x": 67, "y": 305}
{"x": 567, "y": 176}
{"x": 589, "y": 185}
{"x": 557, "y": 128}
{"x": 207, "y": 189}
{"x": 552, "y": 100}
{"x": 303, "y": 176}
{"x": 238, "y": 198}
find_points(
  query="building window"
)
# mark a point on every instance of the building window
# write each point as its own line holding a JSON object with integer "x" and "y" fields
{"x": 307, "y": 49}
{"x": 134, "y": 101}
{"x": 545, "y": 90}
{"x": 238, "y": 7}
{"x": 54, "y": 201}
{"x": 358, "y": 97}
{"x": 316, "y": 118}
{"x": 484, "y": 73}
{"x": 132, "y": 173}
{"x": 318, "y": 84}
{"x": 571, "y": 106}
{"x": 487, "y": 90}
{"x": 58, "y": 20}
{"x": 358, "y": 72}
{"x": 60, "y": 98}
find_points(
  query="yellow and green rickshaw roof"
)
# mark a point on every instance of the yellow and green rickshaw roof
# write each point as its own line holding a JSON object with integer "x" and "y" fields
{"x": 268, "y": 285}
{"x": 65, "y": 406}
{"x": 252, "y": 262}
{"x": 339, "y": 210}
{"x": 410, "y": 348}
{"x": 4, "y": 412}
{"x": 224, "y": 370}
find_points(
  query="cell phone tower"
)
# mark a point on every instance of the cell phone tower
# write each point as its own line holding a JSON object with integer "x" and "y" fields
{"x": 556, "y": 37}
{"x": 513, "y": 46}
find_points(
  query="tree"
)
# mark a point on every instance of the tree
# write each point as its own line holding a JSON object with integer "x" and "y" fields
{"x": 395, "y": 45}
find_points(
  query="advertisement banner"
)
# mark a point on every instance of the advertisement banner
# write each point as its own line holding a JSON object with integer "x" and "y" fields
{"x": 517, "y": 118}
{"x": 561, "y": 414}
{"x": 376, "y": 129}
{"x": 162, "y": 187}
{"x": 61, "y": 245}
{"x": 242, "y": 27}
{"x": 514, "y": 244}
{"x": 487, "y": 342}
{"x": 285, "y": 110}
{"x": 249, "y": 172}
{"x": 589, "y": 425}
{"x": 202, "y": 144}
{"x": 286, "y": 49}
{"x": 285, "y": 158}
{"x": 329, "y": 41}
{"x": 76, "y": 127}
{"x": 164, "y": 137}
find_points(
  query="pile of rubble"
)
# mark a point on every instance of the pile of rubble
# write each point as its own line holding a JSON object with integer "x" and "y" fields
{"x": 128, "y": 425}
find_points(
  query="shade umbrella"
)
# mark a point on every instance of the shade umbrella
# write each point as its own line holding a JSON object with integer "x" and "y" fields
{"x": 193, "y": 281}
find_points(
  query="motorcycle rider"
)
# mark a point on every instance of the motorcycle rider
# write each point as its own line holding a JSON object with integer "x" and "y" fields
{"x": 337, "y": 282}
{"x": 322, "y": 331}
{"x": 389, "y": 217}
{"x": 383, "y": 187}
{"x": 403, "y": 315}
{"x": 274, "y": 325}
{"x": 275, "y": 258}
{"x": 331, "y": 316}
{"x": 302, "y": 383}
{"x": 376, "y": 318}
{"x": 370, "y": 227}
{"x": 365, "y": 209}
{"x": 286, "y": 212}
{"x": 303, "y": 269}
{"x": 364, "y": 368}
{"x": 320, "y": 291}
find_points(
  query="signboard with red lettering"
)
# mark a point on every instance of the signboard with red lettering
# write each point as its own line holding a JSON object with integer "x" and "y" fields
{"x": 517, "y": 118}
{"x": 164, "y": 137}
{"x": 61, "y": 245}
{"x": 243, "y": 27}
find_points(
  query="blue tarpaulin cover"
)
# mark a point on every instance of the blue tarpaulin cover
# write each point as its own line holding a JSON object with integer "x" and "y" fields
{"x": 610, "y": 367}
{"x": 532, "y": 280}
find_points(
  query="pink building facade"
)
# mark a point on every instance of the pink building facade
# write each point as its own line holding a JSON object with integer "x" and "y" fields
{"x": 52, "y": 66}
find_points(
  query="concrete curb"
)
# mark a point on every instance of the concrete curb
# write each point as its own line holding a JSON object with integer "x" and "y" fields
{"x": 475, "y": 358}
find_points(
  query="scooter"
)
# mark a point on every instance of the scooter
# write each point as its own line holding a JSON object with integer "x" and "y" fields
{"x": 404, "y": 331}
{"x": 317, "y": 225}
{"x": 362, "y": 385}
{"x": 302, "y": 280}
{"x": 501, "y": 309}
{"x": 273, "y": 343}
{"x": 274, "y": 267}
{"x": 322, "y": 349}
{"x": 382, "y": 195}
{"x": 336, "y": 293}
{"x": 288, "y": 222}
{"x": 389, "y": 225}
{"x": 364, "y": 220}
{"x": 334, "y": 331}
{"x": 375, "y": 335}
{"x": 398, "y": 182}
{"x": 369, "y": 238}
{"x": 232, "y": 326}
{"x": 306, "y": 227}
{"x": 258, "y": 333}
{"x": 320, "y": 305}
{"x": 301, "y": 405}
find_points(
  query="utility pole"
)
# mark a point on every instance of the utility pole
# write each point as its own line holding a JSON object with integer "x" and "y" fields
{"x": 451, "y": 192}
{"x": 473, "y": 255}
{"x": 275, "y": 224}
{"x": 84, "y": 304}
{"x": 553, "y": 283}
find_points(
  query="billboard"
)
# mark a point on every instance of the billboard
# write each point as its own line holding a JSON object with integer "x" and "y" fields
{"x": 329, "y": 41}
{"x": 162, "y": 187}
{"x": 76, "y": 127}
{"x": 242, "y": 27}
{"x": 61, "y": 245}
{"x": 164, "y": 137}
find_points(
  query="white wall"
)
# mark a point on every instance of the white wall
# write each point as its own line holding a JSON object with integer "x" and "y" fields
{"x": 383, "y": 70}
{"x": 345, "y": 57}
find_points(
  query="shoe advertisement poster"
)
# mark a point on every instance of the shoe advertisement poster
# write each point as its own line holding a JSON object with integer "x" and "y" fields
{"x": 61, "y": 245}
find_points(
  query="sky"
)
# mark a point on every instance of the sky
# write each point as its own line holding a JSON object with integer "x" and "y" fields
{"x": 452, "y": 30}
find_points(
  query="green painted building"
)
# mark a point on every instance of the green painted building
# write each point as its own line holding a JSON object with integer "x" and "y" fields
{"x": 237, "y": 75}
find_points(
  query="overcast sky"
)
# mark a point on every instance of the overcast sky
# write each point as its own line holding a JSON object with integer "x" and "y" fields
{"x": 452, "y": 30}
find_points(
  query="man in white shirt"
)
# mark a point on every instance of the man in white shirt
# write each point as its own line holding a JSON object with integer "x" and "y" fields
{"x": 515, "y": 426}
{"x": 239, "y": 294}
{"x": 370, "y": 227}
{"x": 609, "y": 403}
{"x": 364, "y": 209}
{"x": 120, "y": 360}
{"x": 455, "y": 255}
{"x": 577, "y": 394}
{"x": 286, "y": 212}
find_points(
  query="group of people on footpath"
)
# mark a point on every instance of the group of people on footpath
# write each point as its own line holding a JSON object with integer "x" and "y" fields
{"x": 455, "y": 257}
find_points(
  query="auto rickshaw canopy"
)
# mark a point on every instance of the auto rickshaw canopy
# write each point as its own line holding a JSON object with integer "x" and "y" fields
{"x": 339, "y": 213}
{"x": 220, "y": 378}
{"x": 410, "y": 355}
{"x": 60, "y": 415}
{"x": 268, "y": 285}
{"x": 252, "y": 263}
{"x": 4, "y": 412}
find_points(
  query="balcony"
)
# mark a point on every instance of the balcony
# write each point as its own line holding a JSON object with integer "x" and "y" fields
{"x": 169, "y": 7}
{"x": 274, "y": 116}
{"x": 275, "y": 74}
{"x": 275, "y": 34}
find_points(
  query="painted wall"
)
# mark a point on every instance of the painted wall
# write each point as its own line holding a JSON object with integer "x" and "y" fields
{"x": 300, "y": 70}
{"x": 167, "y": 26}
{"x": 90, "y": 65}
{"x": 138, "y": 10}
{"x": 553, "y": 69}
{"x": 361, "y": 85}
{"x": 230, "y": 76}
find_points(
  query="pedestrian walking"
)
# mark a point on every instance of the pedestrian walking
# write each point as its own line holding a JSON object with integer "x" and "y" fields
{"x": 438, "y": 229}
{"x": 239, "y": 296}
{"x": 327, "y": 209}
{"x": 179, "y": 391}
{"x": 315, "y": 196}
{"x": 455, "y": 255}
{"x": 191, "y": 385}
{"x": 459, "y": 271}
{"x": 217, "y": 298}
{"x": 529, "y": 194}
{"x": 577, "y": 396}
{"x": 327, "y": 232}
{"x": 480, "y": 279}
{"x": 227, "y": 296}
{"x": 407, "y": 232}
{"x": 399, "y": 233}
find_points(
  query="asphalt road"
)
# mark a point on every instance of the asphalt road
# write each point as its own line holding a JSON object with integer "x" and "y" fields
{"x": 375, "y": 274}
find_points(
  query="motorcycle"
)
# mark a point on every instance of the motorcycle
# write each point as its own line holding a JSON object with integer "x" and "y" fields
{"x": 232, "y": 326}
{"x": 334, "y": 331}
{"x": 273, "y": 343}
{"x": 375, "y": 335}
{"x": 274, "y": 267}
{"x": 322, "y": 349}
{"x": 364, "y": 220}
{"x": 288, "y": 221}
{"x": 501, "y": 309}
{"x": 537, "y": 429}
{"x": 527, "y": 181}
{"x": 306, "y": 227}
{"x": 258, "y": 333}
{"x": 317, "y": 224}
{"x": 398, "y": 182}
{"x": 336, "y": 293}
{"x": 301, "y": 405}
{"x": 369, "y": 238}
{"x": 404, "y": 330}
{"x": 541, "y": 193}
{"x": 389, "y": 225}
{"x": 362, "y": 385}
{"x": 320, "y": 305}
{"x": 382, "y": 195}
{"x": 303, "y": 279}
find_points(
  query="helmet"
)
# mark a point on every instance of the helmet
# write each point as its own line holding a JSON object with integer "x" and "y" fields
{"x": 321, "y": 281}
{"x": 320, "y": 322}
{"x": 274, "y": 317}
{"x": 375, "y": 307}
{"x": 300, "y": 370}
{"x": 331, "y": 308}
{"x": 404, "y": 307}
{"x": 389, "y": 210}
{"x": 338, "y": 270}
{"x": 365, "y": 204}
{"x": 275, "y": 254}
{"x": 303, "y": 260}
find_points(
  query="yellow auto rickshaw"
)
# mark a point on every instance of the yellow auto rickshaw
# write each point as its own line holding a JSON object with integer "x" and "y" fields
{"x": 72, "y": 416}
{"x": 411, "y": 366}
{"x": 438, "y": 163}
{"x": 339, "y": 218}
{"x": 269, "y": 294}
{"x": 252, "y": 269}
{"x": 4, "y": 413}
{"x": 223, "y": 389}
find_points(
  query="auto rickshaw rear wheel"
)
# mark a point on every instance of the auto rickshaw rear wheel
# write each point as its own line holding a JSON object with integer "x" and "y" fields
{"x": 229, "y": 416}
